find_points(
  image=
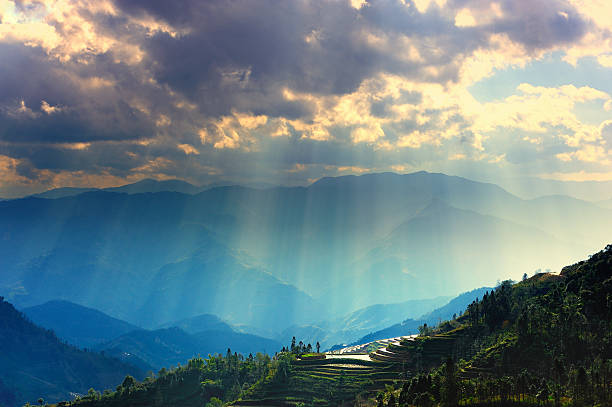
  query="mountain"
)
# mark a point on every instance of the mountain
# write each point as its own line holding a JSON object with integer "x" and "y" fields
{"x": 354, "y": 325}
{"x": 219, "y": 282}
{"x": 199, "y": 323}
{"x": 530, "y": 188}
{"x": 63, "y": 192}
{"x": 442, "y": 248}
{"x": 378, "y": 316}
{"x": 546, "y": 339}
{"x": 171, "y": 346}
{"x": 543, "y": 341}
{"x": 78, "y": 325}
{"x": 151, "y": 185}
{"x": 347, "y": 242}
{"x": 411, "y": 325}
{"x": 140, "y": 187}
{"x": 456, "y": 306}
{"x": 35, "y": 363}
{"x": 138, "y": 256}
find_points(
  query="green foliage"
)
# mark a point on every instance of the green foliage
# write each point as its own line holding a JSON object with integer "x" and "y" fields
{"x": 211, "y": 382}
{"x": 543, "y": 341}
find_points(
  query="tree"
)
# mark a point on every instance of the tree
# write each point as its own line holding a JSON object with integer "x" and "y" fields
{"x": 318, "y": 347}
{"x": 543, "y": 392}
{"x": 424, "y": 330}
{"x": 128, "y": 382}
{"x": 41, "y": 401}
{"x": 450, "y": 383}
{"x": 560, "y": 376}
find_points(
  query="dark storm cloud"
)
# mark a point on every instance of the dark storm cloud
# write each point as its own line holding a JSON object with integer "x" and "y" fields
{"x": 29, "y": 80}
{"x": 235, "y": 56}
{"x": 536, "y": 24}
{"x": 239, "y": 56}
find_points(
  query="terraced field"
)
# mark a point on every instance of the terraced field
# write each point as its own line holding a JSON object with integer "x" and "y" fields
{"x": 340, "y": 377}
{"x": 326, "y": 382}
{"x": 424, "y": 352}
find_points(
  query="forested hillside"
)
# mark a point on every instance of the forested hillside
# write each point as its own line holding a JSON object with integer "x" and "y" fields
{"x": 546, "y": 340}
{"x": 81, "y": 326}
{"x": 35, "y": 364}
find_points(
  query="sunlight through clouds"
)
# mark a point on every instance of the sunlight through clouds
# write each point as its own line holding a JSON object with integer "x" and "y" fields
{"x": 356, "y": 84}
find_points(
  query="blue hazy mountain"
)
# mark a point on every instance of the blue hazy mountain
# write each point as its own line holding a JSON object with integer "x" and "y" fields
{"x": 140, "y": 187}
{"x": 442, "y": 245}
{"x": 530, "y": 188}
{"x": 350, "y": 327}
{"x": 348, "y": 242}
{"x": 151, "y": 185}
{"x": 35, "y": 363}
{"x": 146, "y": 186}
{"x": 411, "y": 326}
{"x": 80, "y": 326}
{"x": 457, "y": 305}
{"x": 199, "y": 323}
{"x": 221, "y": 284}
{"x": 170, "y": 346}
{"x": 212, "y": 280}
{"x": 56, "y": 193}
{"x": 175, "y": 342}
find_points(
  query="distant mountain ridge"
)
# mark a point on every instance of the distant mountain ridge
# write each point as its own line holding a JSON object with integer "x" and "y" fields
{"x": 175, "y": 342}
{"x": 170, "y": 346}
{"x": 354, "y": 325}
{"x": 81, "y": 326}
{"x": 143, "y": 186}
{"x": 314, "y": 253}
{"x": 146, "y": 185}
{"x": 199, "y": 323}
{"x": 411, "y": 326}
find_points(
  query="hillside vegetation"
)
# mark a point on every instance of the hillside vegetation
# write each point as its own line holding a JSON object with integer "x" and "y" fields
{"x": 34, "y": 363}
{"x": 544, "y": 341}
{"x": 80, "y": 326}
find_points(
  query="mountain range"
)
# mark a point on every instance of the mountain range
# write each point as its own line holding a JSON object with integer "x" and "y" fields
{"x": 273, "y": 258}
{"x": 140, "y": 187}
{"x": 168, "y": 345}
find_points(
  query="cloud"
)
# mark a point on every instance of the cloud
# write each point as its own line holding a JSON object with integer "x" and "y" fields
{"x": 117, "y": 89}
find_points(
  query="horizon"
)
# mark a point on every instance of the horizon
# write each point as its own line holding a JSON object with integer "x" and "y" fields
{"x": 592, "y": 191}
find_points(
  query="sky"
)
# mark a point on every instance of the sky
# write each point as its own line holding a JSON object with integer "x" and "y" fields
{"x": 106, "y": 92}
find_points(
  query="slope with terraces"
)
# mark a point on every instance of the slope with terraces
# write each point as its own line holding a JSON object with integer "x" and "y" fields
{"x": 349, "y": 372}
{"x": 427, "y": 351}
{"x": 324, "y": 382}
